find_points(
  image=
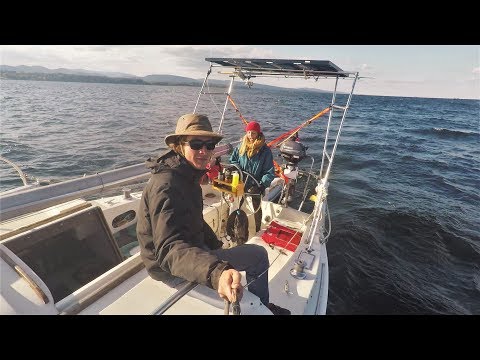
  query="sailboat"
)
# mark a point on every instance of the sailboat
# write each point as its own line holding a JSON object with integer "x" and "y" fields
{"x": 71, "y": 248}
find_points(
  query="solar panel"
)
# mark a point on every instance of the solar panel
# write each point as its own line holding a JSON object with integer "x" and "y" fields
{"x": 284, "y": 67}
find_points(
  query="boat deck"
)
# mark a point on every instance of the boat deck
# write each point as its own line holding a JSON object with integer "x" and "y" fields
{"x": 127, "y": 288}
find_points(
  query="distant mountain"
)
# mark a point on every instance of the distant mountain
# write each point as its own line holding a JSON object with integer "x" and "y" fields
{"x": 170, "y": 79}
{"x": 40, "y": 73}
{"x": 43, "y": 70}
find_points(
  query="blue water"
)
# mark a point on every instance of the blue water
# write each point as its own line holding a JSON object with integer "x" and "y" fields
{"x": 404, "y": 190}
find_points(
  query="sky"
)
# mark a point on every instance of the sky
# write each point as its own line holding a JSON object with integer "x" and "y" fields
{"x": 434, "y": 71}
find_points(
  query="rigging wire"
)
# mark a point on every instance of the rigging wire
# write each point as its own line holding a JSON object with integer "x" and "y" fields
{"x": 211, "y": 98}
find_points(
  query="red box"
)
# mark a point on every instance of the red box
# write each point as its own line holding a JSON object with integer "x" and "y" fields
{"x": 282, "y": 236}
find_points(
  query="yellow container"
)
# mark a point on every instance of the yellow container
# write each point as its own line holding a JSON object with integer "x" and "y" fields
{"x": 235, "y": 180}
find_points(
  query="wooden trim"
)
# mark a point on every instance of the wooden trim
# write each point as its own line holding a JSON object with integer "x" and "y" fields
{"x": 37, "y": 289}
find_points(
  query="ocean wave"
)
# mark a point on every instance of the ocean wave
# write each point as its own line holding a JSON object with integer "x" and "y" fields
{"x": 371, "y": 245}
{"x": 448, "y": 133}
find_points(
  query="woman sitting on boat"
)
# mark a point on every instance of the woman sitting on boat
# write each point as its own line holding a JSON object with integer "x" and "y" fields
{"x": 255, "y": 157}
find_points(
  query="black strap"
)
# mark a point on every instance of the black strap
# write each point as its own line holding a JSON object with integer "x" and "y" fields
{"x": 241, "y": 202}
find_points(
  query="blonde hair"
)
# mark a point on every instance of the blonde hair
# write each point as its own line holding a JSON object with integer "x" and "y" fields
{"x": 251, "y": 148}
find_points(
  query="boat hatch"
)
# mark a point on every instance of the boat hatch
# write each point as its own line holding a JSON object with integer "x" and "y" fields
{"x": 283, "y": 236}
{"x": 70, "y": 252}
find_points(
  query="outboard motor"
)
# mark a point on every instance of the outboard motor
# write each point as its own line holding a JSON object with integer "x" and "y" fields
{"x": 292, "y": 152}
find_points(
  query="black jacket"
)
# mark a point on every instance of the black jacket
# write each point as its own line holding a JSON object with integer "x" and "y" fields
{"x": 171, "y": 231}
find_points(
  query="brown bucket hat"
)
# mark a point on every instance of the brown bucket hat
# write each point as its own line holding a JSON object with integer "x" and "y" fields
{"x": 192, "y": 124}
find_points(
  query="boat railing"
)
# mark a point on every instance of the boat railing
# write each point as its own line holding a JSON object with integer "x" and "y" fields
{"x": 305, "y": 189}
{"x": 330, "y": 156}
{"x": 316, "y": 230}
{"x": 42, "y": 197}
{"x": 39, "y": 198}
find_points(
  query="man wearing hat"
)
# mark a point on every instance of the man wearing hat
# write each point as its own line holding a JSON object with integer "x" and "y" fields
{"x": 174, "y": 238}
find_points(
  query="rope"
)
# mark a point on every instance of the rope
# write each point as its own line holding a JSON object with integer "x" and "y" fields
{"x": 290, "y": 133}
{"x": 20, "y": 172}
{"x": 245, "y": 122}
{"x": 287, "y": 135}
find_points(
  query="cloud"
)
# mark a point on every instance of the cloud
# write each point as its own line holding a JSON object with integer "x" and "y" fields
{"x": 193, "y": 57}
{"x": 365, "y": 67}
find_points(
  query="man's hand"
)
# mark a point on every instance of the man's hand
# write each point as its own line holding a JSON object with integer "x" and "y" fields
{"x": 230, "y": 282}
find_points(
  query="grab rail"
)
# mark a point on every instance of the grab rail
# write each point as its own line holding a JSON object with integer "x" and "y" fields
{"x": 175, "y": 297}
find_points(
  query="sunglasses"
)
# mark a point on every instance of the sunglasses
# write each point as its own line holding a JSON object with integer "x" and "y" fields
{"x": 196, "y": 144}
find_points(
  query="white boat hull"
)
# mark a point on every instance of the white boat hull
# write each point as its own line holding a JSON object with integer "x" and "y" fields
{"x": 127, "y": 288}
